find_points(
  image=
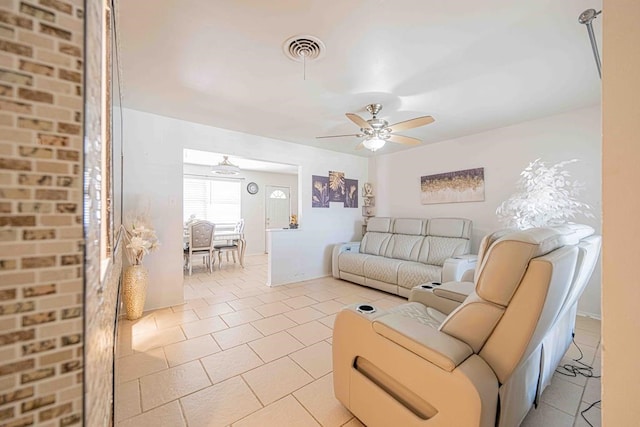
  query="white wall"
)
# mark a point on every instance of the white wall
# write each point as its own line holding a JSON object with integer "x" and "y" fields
{"x": 153, "y": 173}
{"x": 253, "y": 205}
{"x": 503, "y": 153}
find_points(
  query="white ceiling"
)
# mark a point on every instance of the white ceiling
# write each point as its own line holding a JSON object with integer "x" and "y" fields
{"x": 205, "y": 158}
{"x": 472, "y": 65}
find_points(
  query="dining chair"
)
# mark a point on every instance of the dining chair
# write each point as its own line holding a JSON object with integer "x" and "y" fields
{"x": 232, "y": 245}
{"x": 200, "y": 243}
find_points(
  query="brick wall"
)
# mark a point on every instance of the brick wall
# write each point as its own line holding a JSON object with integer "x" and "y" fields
{"x": 41, "y": 196}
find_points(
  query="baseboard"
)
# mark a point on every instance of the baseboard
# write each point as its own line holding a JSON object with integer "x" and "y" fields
{"x": 306, "y": 279}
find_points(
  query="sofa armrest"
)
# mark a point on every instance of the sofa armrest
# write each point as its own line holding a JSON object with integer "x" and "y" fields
{"x": 454, "y": 268}
{"x": 435, "y": 346}
{"x": 337, "y": 250}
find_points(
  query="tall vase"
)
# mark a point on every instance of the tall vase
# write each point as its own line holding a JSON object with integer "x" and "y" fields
{"x": 134, "y": 290}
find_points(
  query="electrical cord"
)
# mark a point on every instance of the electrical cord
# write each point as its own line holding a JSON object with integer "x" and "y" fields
{"x": 573, "y": 370}
{"x": 585, "y": 411}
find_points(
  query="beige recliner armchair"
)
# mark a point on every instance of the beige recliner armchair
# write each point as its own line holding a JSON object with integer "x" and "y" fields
{"x": 532, "y": 375}
{"x": 416, "y": 366}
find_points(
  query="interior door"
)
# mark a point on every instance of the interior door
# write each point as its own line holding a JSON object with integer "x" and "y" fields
{"x": 277, "y": 207}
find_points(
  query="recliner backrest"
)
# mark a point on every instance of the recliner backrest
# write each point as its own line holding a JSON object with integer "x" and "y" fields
{"x": 449, "y": 227}
{"x": 377, "y": 237}
{"x": 406, "y": 241}
{"x": 588, "y": 253}
{"x": 571, "y": 234}
{"x": 445, "y": 238}
{"x": 521, "y": 285}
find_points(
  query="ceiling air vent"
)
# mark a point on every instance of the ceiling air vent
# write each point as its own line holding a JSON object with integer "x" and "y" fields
{"x": 303, "y": 48}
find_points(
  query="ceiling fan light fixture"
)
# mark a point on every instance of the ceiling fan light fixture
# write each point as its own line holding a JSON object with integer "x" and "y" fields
{"x": 376, "y": 132}
{"x": 374, "y": 143}
{"x": 225, "y": 167}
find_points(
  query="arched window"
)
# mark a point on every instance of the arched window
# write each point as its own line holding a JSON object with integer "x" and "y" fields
{"x": 278, "y": 194}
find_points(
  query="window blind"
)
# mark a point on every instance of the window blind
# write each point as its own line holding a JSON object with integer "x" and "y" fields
{"x": 215, "y": 200}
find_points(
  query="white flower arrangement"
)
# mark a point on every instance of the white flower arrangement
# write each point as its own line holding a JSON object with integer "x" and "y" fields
{"x": 140, "y": 238}
{"x": 545, "y": 196}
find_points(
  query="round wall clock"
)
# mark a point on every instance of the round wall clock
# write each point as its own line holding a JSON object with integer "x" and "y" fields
{"x": 252, "y": 188}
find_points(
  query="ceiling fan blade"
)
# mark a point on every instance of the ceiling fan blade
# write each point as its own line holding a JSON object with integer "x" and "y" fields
{"x": 360, "y": 146}
{"x": 407, "y": 140}
{"x": 339, "y": 136}
{"x": 413, "y": 123}
{"x": 362, "y": 123}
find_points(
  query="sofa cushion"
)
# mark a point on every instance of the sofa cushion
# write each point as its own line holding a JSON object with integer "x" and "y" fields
{"x": 352, "y": 262}
{"x": 412, "y": 274}
{"x": 402, "y": 246}
{"x": 382, "y": 269}
{"x": 441, "y": 248}
{"x": 380, "y": 224}
{"x": 374, "y": 243}
{"x": 449, "y": 227}
{"x": 414, "y": 227}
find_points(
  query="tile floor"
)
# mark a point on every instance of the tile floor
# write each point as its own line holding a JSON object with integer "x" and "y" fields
{"x": 243, "y": 354}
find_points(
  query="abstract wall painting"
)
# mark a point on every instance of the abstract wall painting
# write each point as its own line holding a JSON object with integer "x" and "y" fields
{"x": 453, "y": 187}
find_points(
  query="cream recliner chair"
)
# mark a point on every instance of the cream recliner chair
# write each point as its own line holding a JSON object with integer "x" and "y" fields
{"x": 533, "y": 375}
{"x": 416, "y": 366}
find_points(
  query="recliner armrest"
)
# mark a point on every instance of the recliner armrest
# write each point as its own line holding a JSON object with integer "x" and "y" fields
{"x": 427, "y": 342}
{"x": 455, "y": 291}
{"x": 444, "y": 298}
{"x": 337, "y": 250}
{"x": 454, "y": 268}
{"x": 428, "y": 298}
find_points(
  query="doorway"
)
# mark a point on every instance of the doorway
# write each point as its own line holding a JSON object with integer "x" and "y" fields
{"x": 278, "y": 207}
{"x": 277, "y": 212}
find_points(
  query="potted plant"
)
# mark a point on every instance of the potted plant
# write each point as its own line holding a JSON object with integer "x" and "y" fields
{"x": 545, "y": 195}
{"x": 140, "y": 239}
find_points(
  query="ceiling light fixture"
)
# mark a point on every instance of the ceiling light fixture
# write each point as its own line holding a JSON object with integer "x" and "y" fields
{"x": 374, "y": 143}
{"x": 225, "y": 167}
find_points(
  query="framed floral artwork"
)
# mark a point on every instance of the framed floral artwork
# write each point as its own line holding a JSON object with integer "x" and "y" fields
{"x": 351, "y": 193}
{"x": 337, "y": 190}
{"x": 319, "y": 191}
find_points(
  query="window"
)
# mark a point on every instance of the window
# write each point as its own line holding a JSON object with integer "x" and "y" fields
{"x": 278, "y": 194}
{"x": 215, "y": 200}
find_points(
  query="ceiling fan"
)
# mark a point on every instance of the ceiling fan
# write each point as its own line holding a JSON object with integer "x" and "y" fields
{"x": 377, "y": 132}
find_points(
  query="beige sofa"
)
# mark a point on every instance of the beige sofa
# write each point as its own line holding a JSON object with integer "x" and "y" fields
{"x": 483, "y": 363}
{"x": 397, "y": 254}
